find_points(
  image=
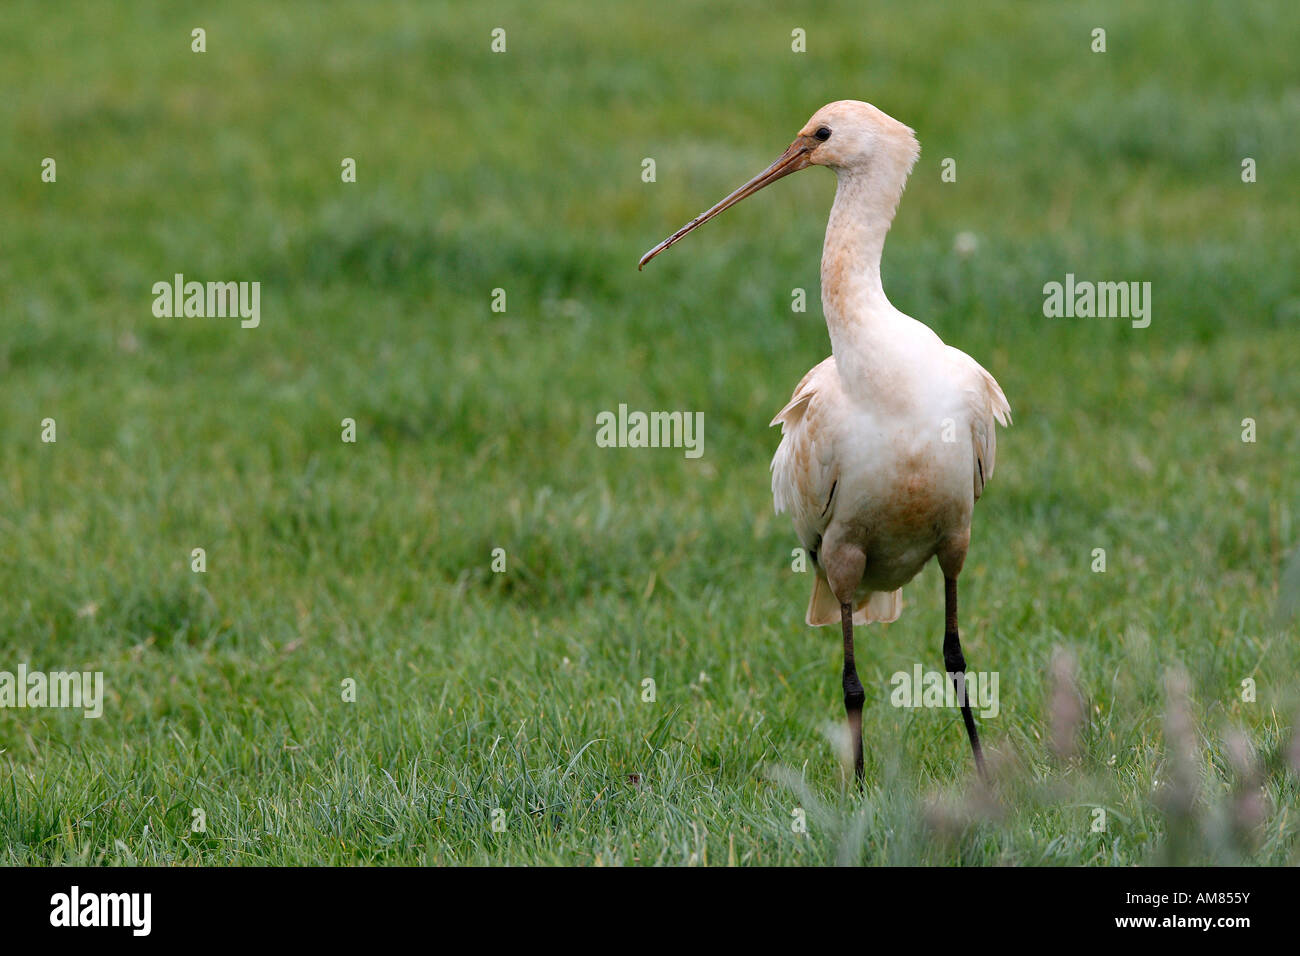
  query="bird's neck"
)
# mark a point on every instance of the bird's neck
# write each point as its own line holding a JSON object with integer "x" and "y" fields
{"x": 853, "y": 297}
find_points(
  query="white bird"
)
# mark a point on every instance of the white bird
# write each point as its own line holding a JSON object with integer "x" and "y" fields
{"x": 888, "y": 443}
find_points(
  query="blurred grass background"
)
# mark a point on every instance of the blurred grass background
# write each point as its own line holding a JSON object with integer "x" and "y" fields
{"x": 476, "y": 430}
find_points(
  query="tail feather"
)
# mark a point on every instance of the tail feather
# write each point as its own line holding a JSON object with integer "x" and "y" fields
{"x": 824, "y": 607}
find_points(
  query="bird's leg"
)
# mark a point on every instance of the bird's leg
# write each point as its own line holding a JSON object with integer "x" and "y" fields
{"x": 956, "y": 666}
{"x": 854, "y": 696}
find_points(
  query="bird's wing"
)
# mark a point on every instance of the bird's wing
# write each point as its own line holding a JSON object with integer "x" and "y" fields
{"x": 803, "y": 468}
{"x": 988, "y": 407}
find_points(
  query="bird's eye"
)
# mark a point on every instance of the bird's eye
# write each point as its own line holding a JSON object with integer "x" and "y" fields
{"x": 823, "y": 133}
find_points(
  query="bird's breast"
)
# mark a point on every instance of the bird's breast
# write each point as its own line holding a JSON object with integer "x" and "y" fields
{"x": 902, "y": 494}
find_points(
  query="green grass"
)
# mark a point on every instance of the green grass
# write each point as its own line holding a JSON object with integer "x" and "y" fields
{"x": 522, "y": 690}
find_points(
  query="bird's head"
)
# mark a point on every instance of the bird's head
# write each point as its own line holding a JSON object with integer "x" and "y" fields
{"x": 849, "y": 136}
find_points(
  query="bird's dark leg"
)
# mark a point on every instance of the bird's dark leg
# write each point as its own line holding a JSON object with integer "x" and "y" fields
{"x": 854, "y": 696}
{"x": 955, "y": 664}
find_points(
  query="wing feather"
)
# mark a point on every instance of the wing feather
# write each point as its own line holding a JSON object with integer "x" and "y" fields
{"x": 989, "y": 408}
{"x": 803, "y": 468}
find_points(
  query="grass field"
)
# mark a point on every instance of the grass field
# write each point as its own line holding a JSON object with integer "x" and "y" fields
{"x": 522, "y": 691}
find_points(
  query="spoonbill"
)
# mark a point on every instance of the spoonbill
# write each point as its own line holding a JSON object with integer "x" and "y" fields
{"x": 888, "y": 443}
